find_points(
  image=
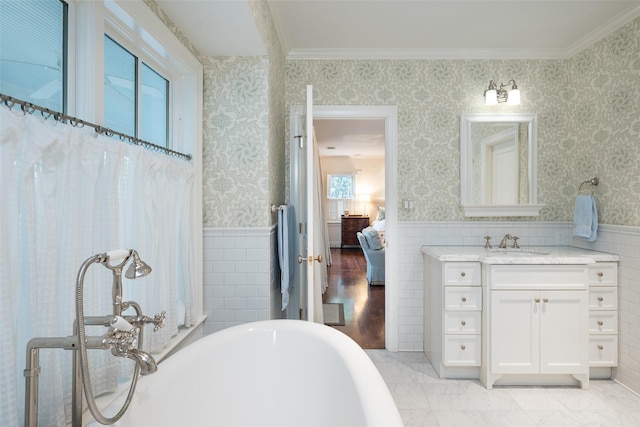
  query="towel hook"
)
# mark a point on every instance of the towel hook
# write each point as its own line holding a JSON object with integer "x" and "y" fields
{"x": 593, "y": 182}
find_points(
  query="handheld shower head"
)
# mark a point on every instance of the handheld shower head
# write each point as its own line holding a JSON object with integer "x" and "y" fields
{"x": 138, "y": 268}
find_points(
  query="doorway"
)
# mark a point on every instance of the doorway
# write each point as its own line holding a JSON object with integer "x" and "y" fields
{"x": 390, "y": 116}
{"x": 351, "y": 155}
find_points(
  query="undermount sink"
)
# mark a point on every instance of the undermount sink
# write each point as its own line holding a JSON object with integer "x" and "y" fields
{"x": 517, "y": 252}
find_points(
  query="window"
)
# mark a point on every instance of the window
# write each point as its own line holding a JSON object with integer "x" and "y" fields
{"x": 33, "y": 52}
{"x": 136, "y": 97}
{"x": 340, "y": 187}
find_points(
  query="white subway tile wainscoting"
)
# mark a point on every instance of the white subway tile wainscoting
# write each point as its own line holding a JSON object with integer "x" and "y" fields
{"x": 241, "y": 276}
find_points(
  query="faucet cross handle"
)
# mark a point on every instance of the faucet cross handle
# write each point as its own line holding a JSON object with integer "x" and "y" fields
{"x": 487, "y": 245}
{"x": 158, "y": 320}
{"x": 121, "y": 335}
{"x": 515, "y": 242}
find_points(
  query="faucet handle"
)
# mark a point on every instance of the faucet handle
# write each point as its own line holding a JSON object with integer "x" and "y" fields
{"x": 487, "y": 245}
{"x": 515, "y": 242}
{"x": 158, "y": 320}
{"x": 121, "y": 335}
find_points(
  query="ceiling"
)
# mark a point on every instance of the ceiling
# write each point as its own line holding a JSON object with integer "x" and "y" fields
{"x": 427, "y": 29}
{"x": 350, "y": 137}
{"x": 532, "y": 29}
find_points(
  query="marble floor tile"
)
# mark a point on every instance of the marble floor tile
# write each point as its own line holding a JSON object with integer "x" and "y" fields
{"x": 425, "y": 400}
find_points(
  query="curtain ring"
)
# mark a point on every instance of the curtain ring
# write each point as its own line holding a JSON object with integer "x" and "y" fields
{"x": 49, "y": 113}
{"x": 9, "y": 102}
{"x": 27, "y": 107}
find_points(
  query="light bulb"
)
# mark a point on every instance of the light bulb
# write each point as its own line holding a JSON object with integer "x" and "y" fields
{"x": 491, "y": 97}
{"x": 514, "y": 97}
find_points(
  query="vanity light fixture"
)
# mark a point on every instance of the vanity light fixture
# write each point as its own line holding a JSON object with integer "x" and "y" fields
{"x": 495, "y": 95}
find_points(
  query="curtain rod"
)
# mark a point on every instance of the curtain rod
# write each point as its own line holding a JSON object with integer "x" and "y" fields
{"x": 28, "y": 107}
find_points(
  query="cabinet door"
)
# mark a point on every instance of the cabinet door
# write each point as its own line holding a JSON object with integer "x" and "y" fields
{"x": 515, "y": 332}
{"x": 564, "y": 332}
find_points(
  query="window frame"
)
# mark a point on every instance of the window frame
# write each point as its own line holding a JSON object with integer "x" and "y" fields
{"x": 134, "y": 26}
{"x": 351, "y": 176}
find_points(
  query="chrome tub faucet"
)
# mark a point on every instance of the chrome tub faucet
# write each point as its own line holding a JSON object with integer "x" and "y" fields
{"x": 124, "y": 338}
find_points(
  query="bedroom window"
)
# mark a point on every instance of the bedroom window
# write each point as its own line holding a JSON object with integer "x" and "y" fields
{"x": 341, "y": 187}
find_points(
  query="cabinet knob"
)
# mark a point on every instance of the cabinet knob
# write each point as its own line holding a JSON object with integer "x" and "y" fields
{"x": 600, "y": 274}
{"x": 537, "y": 300}
{"x": 600, "y": 323}
{"x": 600, "y": 347}
{"x": 463, "y": 323}
{"x": 464, "y": 299}
{"x": 463, "y": 347}
{"x": 545, "y": 300}
{"x": 600, "y": 299}
{"x": 463, "y": 274}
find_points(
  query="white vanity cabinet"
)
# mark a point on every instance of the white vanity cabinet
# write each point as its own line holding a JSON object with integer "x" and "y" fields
{"x": 545, "y": 316}
{"x": 536, "y": 319}
{"x": 452, "y": 334}
{"x": 603, "y": 318}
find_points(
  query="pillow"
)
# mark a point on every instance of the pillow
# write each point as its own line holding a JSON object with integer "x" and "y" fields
{"x": 373, "y": 238}
{"x": 380, "y": 213}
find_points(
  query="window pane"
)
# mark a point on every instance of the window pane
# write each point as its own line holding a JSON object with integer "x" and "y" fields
{"x": 32, "y": 60}
{"x": 154, "y": 107}
{"x": 119, "y": 88}
{"x": 340, "y": 187}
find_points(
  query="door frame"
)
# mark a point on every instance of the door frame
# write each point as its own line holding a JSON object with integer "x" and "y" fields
{"x": 390, "y": 115}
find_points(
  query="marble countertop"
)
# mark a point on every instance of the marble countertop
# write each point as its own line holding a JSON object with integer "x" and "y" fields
{"x": 524, "y": 255}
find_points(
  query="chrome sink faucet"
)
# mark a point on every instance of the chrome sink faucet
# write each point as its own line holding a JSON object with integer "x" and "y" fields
{"x": 506, "y": 238}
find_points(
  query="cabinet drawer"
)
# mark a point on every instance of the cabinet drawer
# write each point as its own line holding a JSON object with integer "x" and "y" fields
{"x": 603, "y": 322}
{"x": 462, "y": 322}
{"x": 603, "y": 298}
{"x": 603, "y": 350}
{"x": 461, "y": 350}
{"x": 462, "y": 274}
{"x": 462, "y": 298}
{"x": 552, "y": 276}
{"x": 603, "y": 274}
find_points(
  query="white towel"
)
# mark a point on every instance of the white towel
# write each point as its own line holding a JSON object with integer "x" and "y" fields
{"x": 585, "y": 218}
{"x": 284, "y": 253}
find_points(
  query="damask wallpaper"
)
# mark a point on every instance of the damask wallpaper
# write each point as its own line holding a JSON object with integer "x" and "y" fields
{"x": 603, "y": 127}
{"x": 588, "y": 121}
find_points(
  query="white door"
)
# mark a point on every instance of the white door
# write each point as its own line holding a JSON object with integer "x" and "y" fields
{"x": 305, "y": 204}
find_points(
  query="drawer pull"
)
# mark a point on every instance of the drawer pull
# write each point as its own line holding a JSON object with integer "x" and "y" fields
{"x": 463, "y": 323}
{"x": 600, "y": 323}
{"x": 600, "y": 347}
{"x": 600, "y": 299}
{"x": 537, "y": 300}
{"x": 463, "y": 347}
{"x": 463, "y": 274}
{"x": 545, "y": 300}
{"x": 464, "y": 299}
{"x": 600, "y": 274}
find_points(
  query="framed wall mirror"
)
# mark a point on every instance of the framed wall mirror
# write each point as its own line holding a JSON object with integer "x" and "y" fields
{"x": 498, "y": 157}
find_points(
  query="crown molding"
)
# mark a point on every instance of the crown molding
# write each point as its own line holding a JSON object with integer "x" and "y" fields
{"x": 603, "y": 31}
{"x": 428, "y": 54}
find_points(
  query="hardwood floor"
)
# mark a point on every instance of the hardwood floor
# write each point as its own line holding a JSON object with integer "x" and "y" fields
{"x": 363, "y": 304}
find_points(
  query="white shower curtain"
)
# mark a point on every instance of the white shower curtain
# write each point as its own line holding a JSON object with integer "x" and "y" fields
{"x": 66, "y": 195}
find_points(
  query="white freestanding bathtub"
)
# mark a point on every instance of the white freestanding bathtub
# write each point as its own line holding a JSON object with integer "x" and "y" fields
{"x": 270, "y": 373}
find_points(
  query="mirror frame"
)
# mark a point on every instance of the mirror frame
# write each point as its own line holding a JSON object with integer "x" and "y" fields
{"x": 530, "y": 209}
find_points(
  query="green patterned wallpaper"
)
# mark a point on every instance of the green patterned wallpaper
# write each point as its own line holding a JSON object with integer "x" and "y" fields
{"x": 604, "y": 123}
{"x": 587, "y": 125}
{"x": 588, "y": 111}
